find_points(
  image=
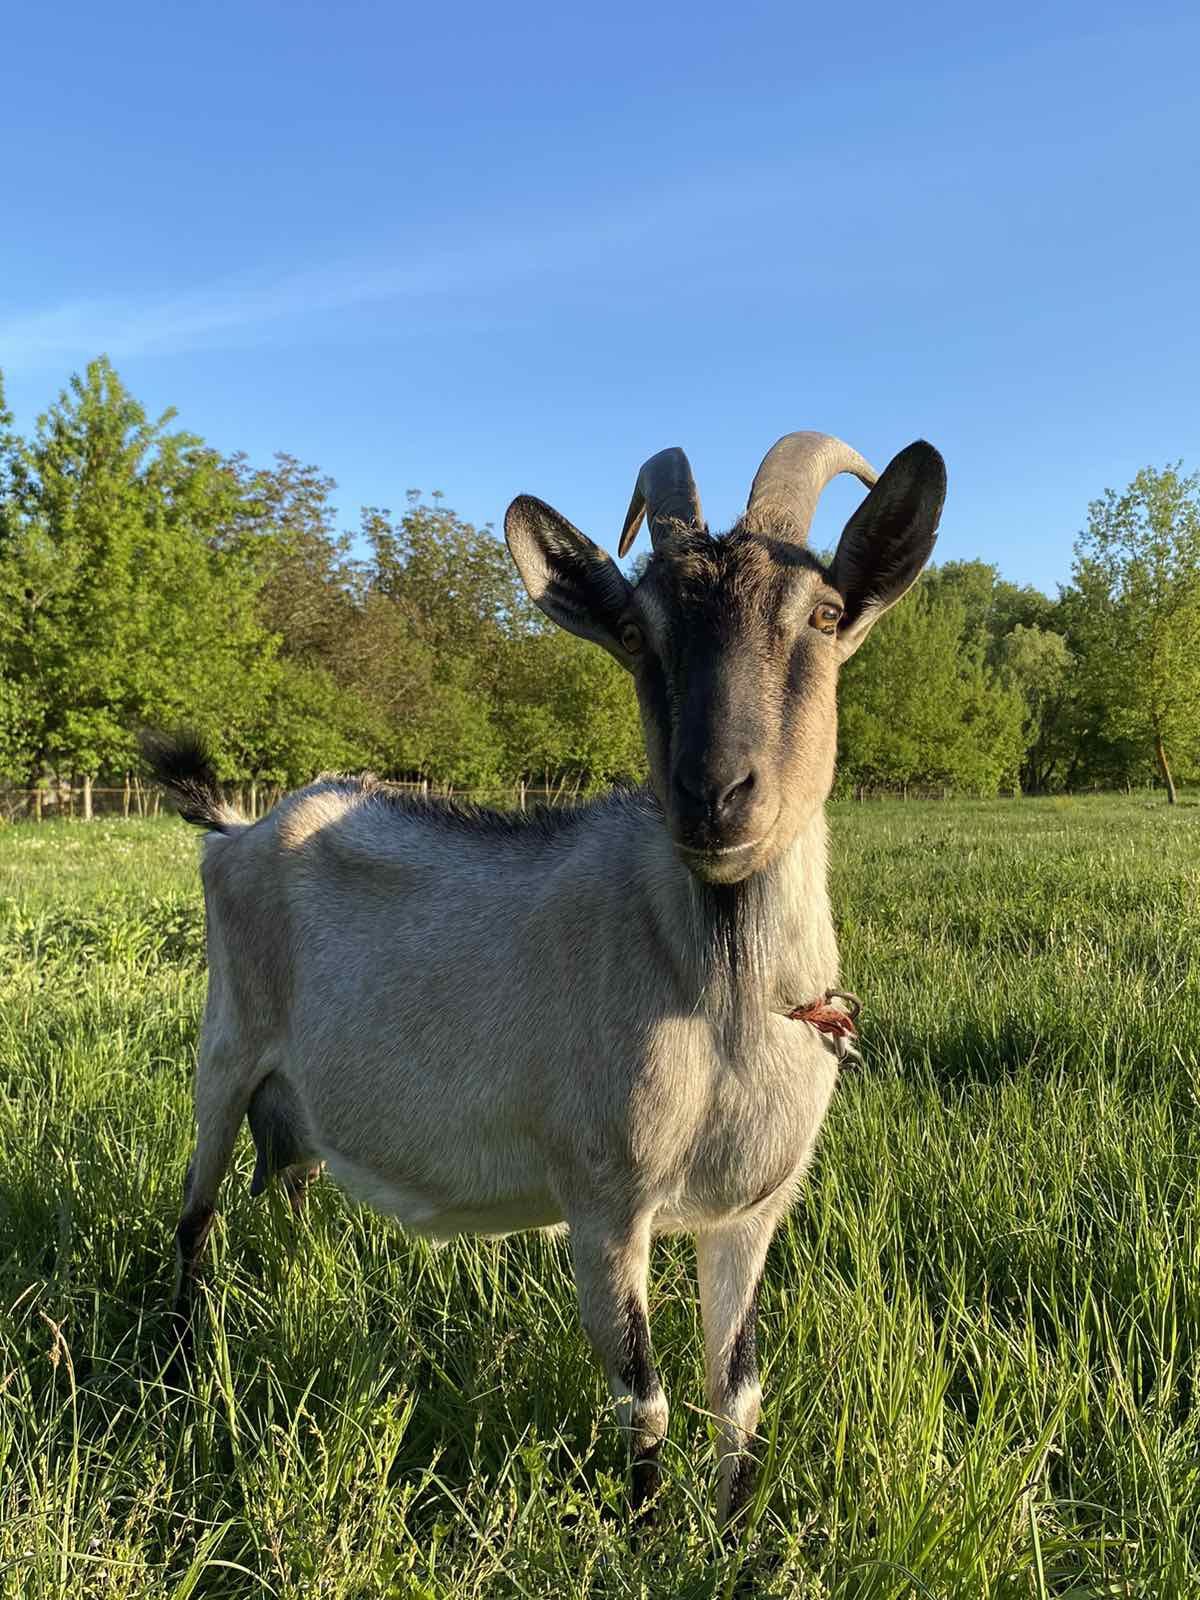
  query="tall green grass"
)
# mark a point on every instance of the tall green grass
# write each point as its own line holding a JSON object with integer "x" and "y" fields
{"x": 980, "y": 1325}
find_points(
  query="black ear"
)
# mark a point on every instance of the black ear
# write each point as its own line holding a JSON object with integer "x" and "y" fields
{"x": 571, "y": 579}
{"x": 888, "y": 540}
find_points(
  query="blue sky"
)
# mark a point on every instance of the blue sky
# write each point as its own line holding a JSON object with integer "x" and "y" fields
{"x": 498, "y": 249}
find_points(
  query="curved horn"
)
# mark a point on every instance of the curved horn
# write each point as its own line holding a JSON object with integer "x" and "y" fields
{"x": 788, "y": 485}
{"x": 665, "y": 492}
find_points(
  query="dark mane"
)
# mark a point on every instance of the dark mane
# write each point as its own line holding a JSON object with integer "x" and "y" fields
{"x": 539, "y": 824}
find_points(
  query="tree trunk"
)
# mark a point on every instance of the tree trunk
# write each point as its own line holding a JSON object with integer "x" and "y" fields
{"x": 1161, "y": 753}
{"x": 87, "y": 797}
{"x": 125, "y": 799}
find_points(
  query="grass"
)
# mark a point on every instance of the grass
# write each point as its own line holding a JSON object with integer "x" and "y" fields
{"x": 980, "y": 1326}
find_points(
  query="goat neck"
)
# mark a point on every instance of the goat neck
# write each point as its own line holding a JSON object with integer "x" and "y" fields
{"x": 740, "y": 951}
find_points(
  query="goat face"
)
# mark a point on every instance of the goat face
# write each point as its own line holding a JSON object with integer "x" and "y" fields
{"x": 735, "y": 641}
{"x": 735, "y": 667}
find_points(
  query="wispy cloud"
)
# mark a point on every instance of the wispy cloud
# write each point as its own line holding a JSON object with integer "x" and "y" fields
{"x": 717, "y": 209}
{"x": 246, "y": 308}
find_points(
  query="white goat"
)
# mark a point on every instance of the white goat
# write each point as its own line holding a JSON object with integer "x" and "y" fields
{"x": 484, "y": 1022}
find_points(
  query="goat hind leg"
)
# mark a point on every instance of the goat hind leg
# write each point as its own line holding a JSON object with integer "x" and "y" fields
{"x": 281, "y": 1141}
{"x": 222, "y": 1094}
{"x": 611, "y": 1268}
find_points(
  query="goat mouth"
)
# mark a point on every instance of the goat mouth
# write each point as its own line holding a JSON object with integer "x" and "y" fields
{"x": 728, "y": 863}
{"x": 716, "y": 852}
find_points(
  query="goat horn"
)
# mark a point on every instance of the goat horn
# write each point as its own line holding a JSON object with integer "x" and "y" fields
{"x": 666, "y": 493}
{"x": 788, "y": 485}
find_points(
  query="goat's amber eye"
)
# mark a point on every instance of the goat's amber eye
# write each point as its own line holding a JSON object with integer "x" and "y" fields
{"x": 826, "y": 617}
{"x": 631, "y": 638}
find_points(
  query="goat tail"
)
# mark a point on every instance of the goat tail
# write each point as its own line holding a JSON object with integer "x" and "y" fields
{"x": 183, "y": 765}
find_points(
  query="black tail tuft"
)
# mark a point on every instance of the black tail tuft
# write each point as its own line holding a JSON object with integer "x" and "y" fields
{"x": 183, "y": 766}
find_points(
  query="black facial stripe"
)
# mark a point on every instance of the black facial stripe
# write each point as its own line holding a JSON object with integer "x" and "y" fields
{"x": 657, "y": 698}
{"x": 727, "y": 613}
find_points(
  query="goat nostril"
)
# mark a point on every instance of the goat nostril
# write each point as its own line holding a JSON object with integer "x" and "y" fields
{"x": 737, "y": 791}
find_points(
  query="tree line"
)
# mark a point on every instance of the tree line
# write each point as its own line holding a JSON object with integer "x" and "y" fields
{"x": 147, "y": 580}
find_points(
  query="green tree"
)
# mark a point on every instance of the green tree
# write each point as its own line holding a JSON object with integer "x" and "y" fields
{"x": 11, "y": 470}
{"x": 307, "y": 712}
{"x": 1019, "y": 606}
{"x": 454, "y": 583}
{"x": 920, "y": 708}
{"x": 971, "y": 585}
{"x": 301, "y": 724}
{"x": 285, "y": 524}
{"x": 75, "y": 565}
{"x": 19, "y": 706}
{"x": 566, "y": 709}
{"x": 203, "y": 655}
{"x": 992, "y": 606}
{"x": 1039, "y": 665}
{"x": 122, "y": 605}
{"x": 441, "y": 607}
{"x": 1137, "y": 610}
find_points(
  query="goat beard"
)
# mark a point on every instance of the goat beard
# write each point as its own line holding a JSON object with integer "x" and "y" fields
{"x": 733, "y": 927}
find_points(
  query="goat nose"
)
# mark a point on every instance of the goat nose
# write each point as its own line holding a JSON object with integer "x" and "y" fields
{"x": 719, "y": 799}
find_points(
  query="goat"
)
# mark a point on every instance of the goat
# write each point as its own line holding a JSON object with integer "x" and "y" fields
{"x": 483, "y": 1022}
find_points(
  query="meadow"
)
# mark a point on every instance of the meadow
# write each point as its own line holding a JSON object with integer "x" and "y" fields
{"x": 979, "y": 1327}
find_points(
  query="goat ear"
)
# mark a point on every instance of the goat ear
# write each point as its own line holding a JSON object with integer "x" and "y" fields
{"x": 888, "y": 540}
{"x": 571, "y": 579}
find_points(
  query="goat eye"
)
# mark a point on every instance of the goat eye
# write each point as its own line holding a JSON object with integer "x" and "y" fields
{"x": 631, "y": 638}
{"x": 825, "y": 617}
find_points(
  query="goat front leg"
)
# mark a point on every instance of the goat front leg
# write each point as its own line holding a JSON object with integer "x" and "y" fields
{"x": 611, "y": 1269}
{"x": 729, "y": 1263}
